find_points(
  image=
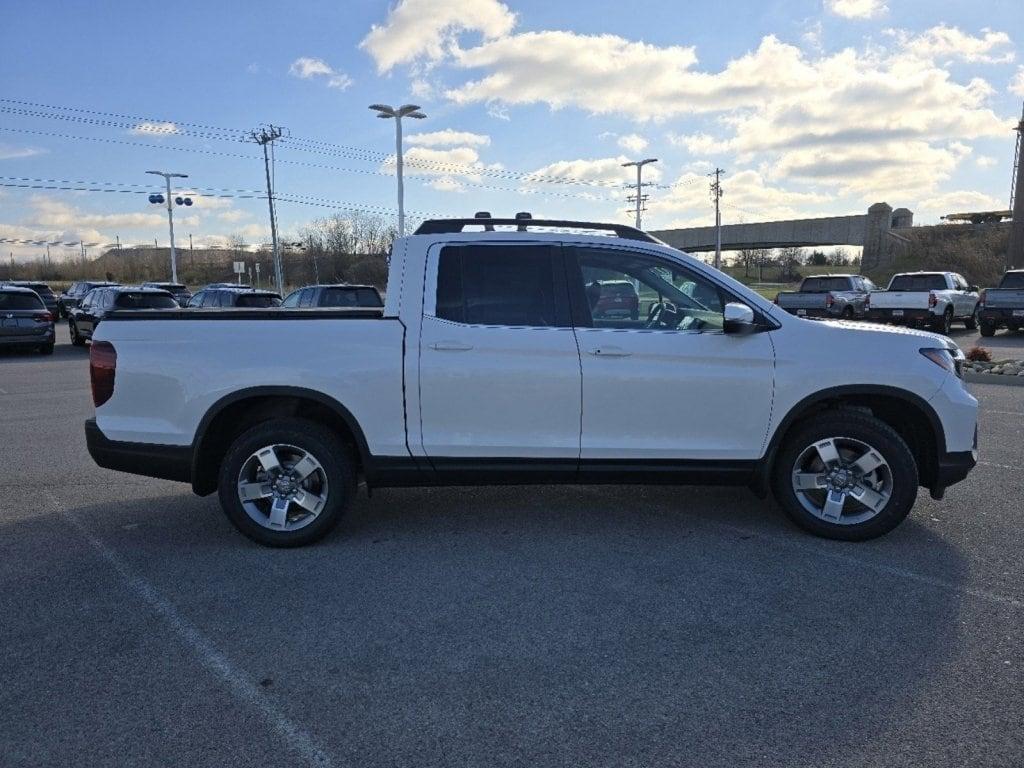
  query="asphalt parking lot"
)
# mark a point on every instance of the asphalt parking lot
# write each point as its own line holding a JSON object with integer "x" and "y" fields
{"x": 603, "y": 626}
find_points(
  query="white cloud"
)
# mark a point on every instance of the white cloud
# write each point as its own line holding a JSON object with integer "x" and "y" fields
{"x": 747, "y": 194}
{"x": 984, "y": 161}
{"x": 52, "y": 214}
{"x": 857, "y": 9}
{"x": 447, "y": 184}
{"x": 307, "y": 68}
{"x": 447, "y": 138}
{"x": 1017, "y": 83}
{"x": 605, "y": 170}
{"x": 11, "y": 152}
{"x": 445, "y": 167}
{"x": 633, "y": 142}
{"x": 426, "y": 29}
{"x": 959, "y": 201}
{"x": 233, "y": 216}
{"x": 154, "y": 129}
{"x": 945, "y": 42}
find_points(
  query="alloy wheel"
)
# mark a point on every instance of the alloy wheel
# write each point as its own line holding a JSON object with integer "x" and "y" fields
{"x": 282, "y": 487}
{"x": 842, "y": 480}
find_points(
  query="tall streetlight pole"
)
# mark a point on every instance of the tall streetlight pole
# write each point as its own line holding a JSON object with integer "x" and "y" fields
{"x": 716, "y": 196}
{"x": 170, "y": 216}
{"x": 406, "y": 110}
{"x": 639, "y": 183}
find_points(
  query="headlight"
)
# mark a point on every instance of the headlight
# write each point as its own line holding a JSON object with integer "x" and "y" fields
{"x": 950, "y": 359}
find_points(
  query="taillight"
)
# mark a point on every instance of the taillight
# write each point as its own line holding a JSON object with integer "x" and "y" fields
{"x": 829, "y": 301}
{"x": 932, "y": 300}
{"x": 102, "y": 364}
{"x": 981, "y": 296}
{"x": 43, "y": 317}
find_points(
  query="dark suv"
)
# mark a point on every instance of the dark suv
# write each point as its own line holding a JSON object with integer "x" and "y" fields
{"x": 24, "y": 320}
{"x": 100, "y": 302}
{"x": 179, "y": 291}
{"x": 44, "y": 291}
{"x": 73, "y": 296}
{"x": 208, "y": 298}
{"x": 340, "y": 295}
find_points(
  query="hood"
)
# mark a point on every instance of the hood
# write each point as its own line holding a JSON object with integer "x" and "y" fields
{"x": 849, "y": 326}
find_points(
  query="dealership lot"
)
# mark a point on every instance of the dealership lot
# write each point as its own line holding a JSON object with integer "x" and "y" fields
{"x": 498, "y": 626}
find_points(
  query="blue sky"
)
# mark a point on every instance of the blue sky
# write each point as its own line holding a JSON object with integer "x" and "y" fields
{"x": 812, "y": 108}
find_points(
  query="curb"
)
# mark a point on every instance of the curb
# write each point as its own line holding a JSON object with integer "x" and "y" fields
{"x": 994, "y": 378}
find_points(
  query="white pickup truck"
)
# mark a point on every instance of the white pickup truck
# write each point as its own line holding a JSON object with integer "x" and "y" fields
{"x": 494, "y": 360}
{"x": 930, "y": 299}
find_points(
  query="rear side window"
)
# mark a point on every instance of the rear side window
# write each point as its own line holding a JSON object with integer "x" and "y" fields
{"x": 14, "y": 301}
{"x": 257, "y": 301}
{"x": 918, "y": 283}
{"x": 350, "y": 297}
{"x": 497, "y": 285}
{"x": 144, "y": 301}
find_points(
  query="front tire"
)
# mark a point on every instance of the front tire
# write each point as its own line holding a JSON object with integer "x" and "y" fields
{"x": 286, "y": 482}
{"x": 845, "y": 475}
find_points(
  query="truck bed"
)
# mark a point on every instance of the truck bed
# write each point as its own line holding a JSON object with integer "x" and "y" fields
{"x": 248, "y": 313}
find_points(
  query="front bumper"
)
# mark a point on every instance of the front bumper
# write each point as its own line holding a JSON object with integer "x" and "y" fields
{"x": 167, "y": 462}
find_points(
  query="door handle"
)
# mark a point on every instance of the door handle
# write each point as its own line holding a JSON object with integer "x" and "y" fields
{"x": 451, "y": 346}
{"x": 610, "y": 352}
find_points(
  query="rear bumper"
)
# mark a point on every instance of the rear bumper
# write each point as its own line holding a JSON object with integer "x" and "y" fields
{"x": 1002, "y": 316}
{"x": 26, "y": 340}
{"x": 916, "y": 316}
{"x": 167, "y": 462}
{"x": 809, "y": 312}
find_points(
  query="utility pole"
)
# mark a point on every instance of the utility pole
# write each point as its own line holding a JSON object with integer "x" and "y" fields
{"x": 264, "y": 137}
{"x": 639, "y": 198}
{"x": 716, "y": 196}
{"x": 1015, "y": 249}
{"x": 170, "y": 216}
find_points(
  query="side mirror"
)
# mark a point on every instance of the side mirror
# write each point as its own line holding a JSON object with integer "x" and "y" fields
{"x": 973, "y": 288}
{"x": 738, "y": 318}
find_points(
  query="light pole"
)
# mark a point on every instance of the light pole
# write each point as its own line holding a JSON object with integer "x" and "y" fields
{"x": 170, "y": 216}
{"x": 385, "y": 112}
{"x": 639, "y": 184}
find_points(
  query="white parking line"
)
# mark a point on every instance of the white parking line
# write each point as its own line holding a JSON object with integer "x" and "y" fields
{"x": 1004, "y": 413}
{"x": 997, "y": 466}
{"x": 208, "y": 653}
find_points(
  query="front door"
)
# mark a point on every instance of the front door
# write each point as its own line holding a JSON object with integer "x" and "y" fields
{"x": 499, "y": 371}
{"x": 661, "y": 380}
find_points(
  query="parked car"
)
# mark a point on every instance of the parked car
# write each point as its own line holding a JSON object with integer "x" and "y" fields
{"x": 75, "y": 293}
{"x": 44, "y": 291}
{"x": 179, "y": 291}
{"x": 25, "y": 321}
{"x": 613, "y": 298}
{"x": 208, "y": 298}
{"x": 98, "y": 303}
{"x": 930, "y": 299}
{"x": 1003, "y": 307}
{"x": 336, "y": 295}
{"x": 835, "y": 296}
{"x": 486, "y": 365}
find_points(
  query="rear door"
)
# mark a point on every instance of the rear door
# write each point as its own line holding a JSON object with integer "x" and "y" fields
{"x": 670, "y": 384}
{"x": 499, "y": 370}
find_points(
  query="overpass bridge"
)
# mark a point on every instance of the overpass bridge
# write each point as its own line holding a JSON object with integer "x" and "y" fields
{"x": 876, "y": 231}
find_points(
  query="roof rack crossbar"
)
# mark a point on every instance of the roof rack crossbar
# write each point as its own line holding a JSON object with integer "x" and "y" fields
{"x": 448, "y": 226}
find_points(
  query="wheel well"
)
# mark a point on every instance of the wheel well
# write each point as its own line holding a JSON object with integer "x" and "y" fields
{"x": 907, "y": 418}
{"x": 236, "y": 417}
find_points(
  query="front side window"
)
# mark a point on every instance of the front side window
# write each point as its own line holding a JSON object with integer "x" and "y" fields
{"x": 306, "y": 298}
{"x": 627, "y": 289}
{"x": 144, "y": 301}
{"x": 258, "y": 301}
{"x": 292, "y": 300}
{"x": 511, "y": 285}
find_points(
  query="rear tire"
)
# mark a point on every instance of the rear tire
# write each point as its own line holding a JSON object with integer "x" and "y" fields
{"x": 943, "y": 324}
{"x": 971, "y": 323}
{"x": 333, "y": 481}
{"x": 987, "y": 329}
{"x": 847, "y": 313}
{"x": 76, "y": 339}
{"x": 888, "y": 491}
{"x": 46, "y": 349}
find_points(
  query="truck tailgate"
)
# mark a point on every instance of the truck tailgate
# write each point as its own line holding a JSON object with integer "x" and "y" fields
{"x": 1004, "y": 298}
{"x": 798, "y": 300}
{"x": 899, "y": 300}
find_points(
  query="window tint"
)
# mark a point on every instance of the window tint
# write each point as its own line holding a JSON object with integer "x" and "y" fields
{"x": 306, "y": 299}
{"x": 260, "y": 301}
{"x": 823, "y": 284}
{"x": 1012, "y": 280}
{"x": 144, "y": 301}
{"x": 625, "y": 289}
{"x": 918, "y": 283}
{"x": 497, "y": 285}
{"x": 13, "y": 301}
{"x": 292, "y": 299}
{"x": 350, "y": 297}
